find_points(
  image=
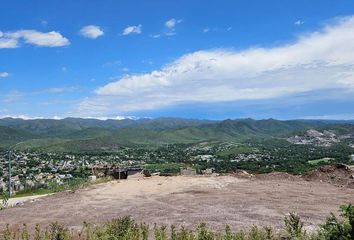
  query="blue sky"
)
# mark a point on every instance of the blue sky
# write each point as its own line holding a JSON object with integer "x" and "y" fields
{"x": 196, "y": 59}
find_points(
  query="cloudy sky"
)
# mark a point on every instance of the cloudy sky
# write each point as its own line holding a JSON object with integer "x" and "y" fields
{"x": 196, "y": 59}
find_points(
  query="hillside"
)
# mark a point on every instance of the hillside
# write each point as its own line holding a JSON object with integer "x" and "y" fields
{"x": 67, "y": 126}
{"x": 12, "y": 136}
{"x": 74, "y": 134}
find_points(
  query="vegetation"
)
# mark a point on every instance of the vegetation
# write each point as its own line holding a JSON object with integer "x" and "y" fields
{"x": 69, "y": 146}
{"x": 126, "y": 228}
{"x": 69, "y": 185}
{"x": 319, "y": 161}
{"x": 173, "y": 168}
{"x": 80, "y": 135}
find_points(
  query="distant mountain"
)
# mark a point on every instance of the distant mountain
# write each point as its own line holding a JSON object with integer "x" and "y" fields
{"x": 10, "y": 136}
{"x": 59, "y": 128}
{"x": 75, "y": 134}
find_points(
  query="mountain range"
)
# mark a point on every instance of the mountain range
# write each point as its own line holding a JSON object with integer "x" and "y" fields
{"x": 77, "y": 134}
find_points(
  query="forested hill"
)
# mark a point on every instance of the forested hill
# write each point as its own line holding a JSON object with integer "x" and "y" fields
{"x": 76, "y": 134}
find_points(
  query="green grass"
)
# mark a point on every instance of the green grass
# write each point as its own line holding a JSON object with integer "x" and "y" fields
{"x": 33, "y": 192}
{"x": 73, "y": 185}
{"x": 235, "y": 151}
{"x": 319, "y": 161}
{"x": 164, "y": 167}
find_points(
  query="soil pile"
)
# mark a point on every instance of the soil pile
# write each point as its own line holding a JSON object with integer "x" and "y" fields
{"x": 336, "y": 174}
{"x": 242, "y": 174}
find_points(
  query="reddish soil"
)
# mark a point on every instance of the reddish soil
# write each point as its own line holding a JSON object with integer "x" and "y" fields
{"x": 336, "y": 174}
{"x": 188, "y": 201}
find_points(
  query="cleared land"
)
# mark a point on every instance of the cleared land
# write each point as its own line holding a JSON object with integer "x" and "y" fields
{"x": 239, "y": 202}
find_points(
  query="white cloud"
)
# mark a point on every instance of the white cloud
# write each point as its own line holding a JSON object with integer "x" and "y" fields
{"x": 8, "y": 42}
{"x": 42, "y": 39}
{"x": 4, "y": 74}
{"x": 113, "y": 118}
{"x": 205, "y": 30}
{"x": 132, "y": 29}
{"x": 91, "y": 31}
{"x": 343, "y": 116}
{"x": 172, "y": 23}
{"x": 321, "y": 60}
{"x": 24, "y": 117}
{"x": 299, "y": 22}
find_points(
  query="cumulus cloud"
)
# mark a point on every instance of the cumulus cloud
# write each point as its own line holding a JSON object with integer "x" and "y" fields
{"x": 132, "y": 29}
{"x": 8, "y": 43}
{"x": 42, "y": 39}
{"x": 4, "y": 74}
{"x": 321, "y": 60}
{"x": 91, "y": 31}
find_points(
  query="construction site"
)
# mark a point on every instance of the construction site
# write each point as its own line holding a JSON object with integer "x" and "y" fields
{"x": 239, "y": 200}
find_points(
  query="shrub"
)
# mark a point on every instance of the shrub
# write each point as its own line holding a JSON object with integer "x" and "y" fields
{"x": 126, "y": 228}
{"x": 335, "y": 228}
{"x": 294, "y": 226}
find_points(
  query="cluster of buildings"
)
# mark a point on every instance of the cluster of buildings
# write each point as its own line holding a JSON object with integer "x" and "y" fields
{"x": 314, "y": 137}
{"x": 30, "y": 170}
{"x": 250, "y": 157}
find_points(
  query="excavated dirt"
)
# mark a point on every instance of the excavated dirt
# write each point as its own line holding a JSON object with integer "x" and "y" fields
{"x": 280, "y": 176}
{"x": 337, "y": 174}
{"x": 181, "y": 200}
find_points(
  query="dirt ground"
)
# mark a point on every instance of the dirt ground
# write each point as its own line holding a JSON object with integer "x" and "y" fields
{"x": 215, "y": 200}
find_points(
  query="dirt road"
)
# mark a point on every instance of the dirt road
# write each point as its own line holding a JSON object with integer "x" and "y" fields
{"x": 186, "y": 201}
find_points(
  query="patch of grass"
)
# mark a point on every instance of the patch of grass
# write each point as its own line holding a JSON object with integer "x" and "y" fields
{"x": 318, "y": 161}
{"x": 164, "y": 167}
{"x": 33, "y": 192}
{"x": 235, "y": 151}
{"x": 73, "y": 185}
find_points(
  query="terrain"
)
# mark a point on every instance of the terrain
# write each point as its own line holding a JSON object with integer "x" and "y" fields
{"x": 158, "y": 131}
{"x": 240, "y": 201}
{"x": 82, "y": 135}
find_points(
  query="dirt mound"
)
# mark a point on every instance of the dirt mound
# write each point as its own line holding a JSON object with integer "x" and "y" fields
{"x": 242, "y": 174}
{"x": 277, "y": 176}
{"x": 336, "y": 174}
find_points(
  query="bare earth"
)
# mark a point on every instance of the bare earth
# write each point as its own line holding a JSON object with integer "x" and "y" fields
{"x": 187, "y": 201}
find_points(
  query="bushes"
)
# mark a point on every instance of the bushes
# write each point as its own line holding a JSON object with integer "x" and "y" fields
{"x": 294, "y": 227}
{"x": 126, "y": 228}
{"x": 343, "y": 228}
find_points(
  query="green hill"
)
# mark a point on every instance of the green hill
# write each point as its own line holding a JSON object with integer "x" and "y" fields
{"x": 10, "y": 136}
{"x": 77, "y": 135}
